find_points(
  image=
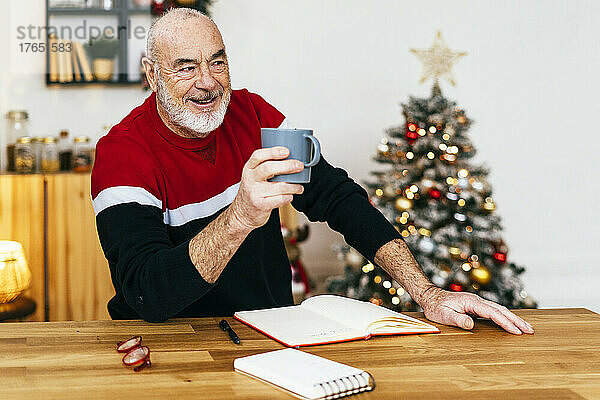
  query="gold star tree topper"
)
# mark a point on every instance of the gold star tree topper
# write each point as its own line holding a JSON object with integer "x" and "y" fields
{"x": 438, "y": 60}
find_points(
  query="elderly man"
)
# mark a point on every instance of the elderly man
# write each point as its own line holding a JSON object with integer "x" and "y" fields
{"x": 187, "y": 217}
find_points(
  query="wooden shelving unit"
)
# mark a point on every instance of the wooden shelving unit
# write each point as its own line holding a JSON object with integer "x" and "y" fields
{"x": 122, "y": 12}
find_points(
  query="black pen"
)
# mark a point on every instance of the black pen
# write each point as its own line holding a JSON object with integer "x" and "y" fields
{"x": 232, "y": 335}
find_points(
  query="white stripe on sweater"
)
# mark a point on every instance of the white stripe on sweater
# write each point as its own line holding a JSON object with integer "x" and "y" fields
{"x": 176, "y": 217}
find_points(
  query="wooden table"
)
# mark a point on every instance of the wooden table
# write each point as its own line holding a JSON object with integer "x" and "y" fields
{"x": 193, "y": 359}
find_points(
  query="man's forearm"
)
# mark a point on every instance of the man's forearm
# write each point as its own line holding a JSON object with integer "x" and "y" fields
{"x": 212, "y": 248}
{"x": 397, "y": 260}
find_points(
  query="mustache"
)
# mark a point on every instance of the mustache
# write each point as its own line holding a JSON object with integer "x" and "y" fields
{"x": 207, "y": 95}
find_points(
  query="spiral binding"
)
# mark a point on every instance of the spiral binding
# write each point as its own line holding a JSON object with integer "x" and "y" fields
{"x": 347, "y": 385}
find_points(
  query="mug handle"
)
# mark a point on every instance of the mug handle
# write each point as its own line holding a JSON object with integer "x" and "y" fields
{"x": 317, "y": 150}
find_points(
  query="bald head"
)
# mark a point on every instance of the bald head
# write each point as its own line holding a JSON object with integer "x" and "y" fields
{"x": 174, "y": 28}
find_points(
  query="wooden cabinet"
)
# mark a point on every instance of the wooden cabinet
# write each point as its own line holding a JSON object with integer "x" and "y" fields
{"x": 22, "y": 219}
{"x": 52, "y": 216}
{"x": 79, "y": 284}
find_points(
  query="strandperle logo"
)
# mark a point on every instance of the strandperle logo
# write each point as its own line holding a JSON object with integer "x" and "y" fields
{"x": 83, "y": 31}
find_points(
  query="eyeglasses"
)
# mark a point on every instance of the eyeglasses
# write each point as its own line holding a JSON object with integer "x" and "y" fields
{"x": 136, "y": 356}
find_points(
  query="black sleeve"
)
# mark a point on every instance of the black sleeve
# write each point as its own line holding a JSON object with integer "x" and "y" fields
{"x": 156, "y": 278}
{"x": 333, "y": 197}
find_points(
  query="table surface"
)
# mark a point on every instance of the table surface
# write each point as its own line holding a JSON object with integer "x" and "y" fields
{"x": 193, "y": 358}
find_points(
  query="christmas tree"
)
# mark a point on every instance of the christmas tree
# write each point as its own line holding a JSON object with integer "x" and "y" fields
{"x": 440, "y": 202}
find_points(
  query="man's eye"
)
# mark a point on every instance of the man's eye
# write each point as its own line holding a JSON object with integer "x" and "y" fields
{"x": 186, "y": 69}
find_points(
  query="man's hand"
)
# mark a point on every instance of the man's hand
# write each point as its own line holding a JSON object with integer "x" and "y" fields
{"x": 451, "y": 308}
{"x": 257, "y": 197}
{"x": 212, "y": 248}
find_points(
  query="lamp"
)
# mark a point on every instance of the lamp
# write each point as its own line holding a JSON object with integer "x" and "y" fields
{"x": 15, "y": 277}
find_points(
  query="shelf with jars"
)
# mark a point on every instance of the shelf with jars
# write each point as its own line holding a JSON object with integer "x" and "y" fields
{"x": 27, "y": 154}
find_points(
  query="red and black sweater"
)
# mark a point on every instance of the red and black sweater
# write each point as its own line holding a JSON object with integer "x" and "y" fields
{"x": 153, "y": 191}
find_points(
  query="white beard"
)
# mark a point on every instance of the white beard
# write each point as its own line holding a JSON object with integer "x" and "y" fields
{"x": 202, "y": 123}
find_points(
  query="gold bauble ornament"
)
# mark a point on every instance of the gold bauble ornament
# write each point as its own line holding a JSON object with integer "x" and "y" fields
{"x": 403, "y": 204}
{"x": 376, "y": 300}
{"x": 481, "y": 275}
{"x": 488, "y": 204}
{"x": 454, "y": 252}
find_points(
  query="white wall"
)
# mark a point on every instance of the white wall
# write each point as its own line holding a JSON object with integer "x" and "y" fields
{"x": 530, "y": 82}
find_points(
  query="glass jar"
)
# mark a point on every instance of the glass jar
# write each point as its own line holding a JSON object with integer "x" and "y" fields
{"x": 16, "y": 127}
{"x": 65, "y": 151}
{"x": 49, "y": 155}
{"x": 82, "y": 154}
{"x": 37, "y": 143}
{"x": 24, "y": 155}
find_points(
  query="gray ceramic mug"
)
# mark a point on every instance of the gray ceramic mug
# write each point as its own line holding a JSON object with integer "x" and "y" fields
{"x": 303, "y": 146}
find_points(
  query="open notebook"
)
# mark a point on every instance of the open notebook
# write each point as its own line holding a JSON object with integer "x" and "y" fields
{"x": 330, "y": 319}
{"x": 305, "y": 375}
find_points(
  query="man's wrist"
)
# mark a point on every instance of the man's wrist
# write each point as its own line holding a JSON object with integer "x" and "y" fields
{"x": 236, "y": 222}
{"x": 424, "y": 294}
{"x": 223, "y": 236}
{"x": 396, "y": 258}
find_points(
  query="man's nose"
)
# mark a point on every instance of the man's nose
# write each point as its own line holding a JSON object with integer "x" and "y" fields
{"x": 205, "y": 80}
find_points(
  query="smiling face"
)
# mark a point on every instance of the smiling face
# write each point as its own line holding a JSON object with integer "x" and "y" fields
{"x": 189, "y": 74}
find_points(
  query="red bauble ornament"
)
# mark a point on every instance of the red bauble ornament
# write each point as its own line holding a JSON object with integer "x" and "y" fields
{"x": 500, "y": 257}
{"x": 158, "y": 7}
{"x": 456, "y": 287}
{"x": 411, "y": 127}
{"x": 412, "y": 135}
{"x": 435, "y": 194}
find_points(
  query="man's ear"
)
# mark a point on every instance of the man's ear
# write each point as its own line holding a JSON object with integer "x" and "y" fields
{"x": 150, "y": 72}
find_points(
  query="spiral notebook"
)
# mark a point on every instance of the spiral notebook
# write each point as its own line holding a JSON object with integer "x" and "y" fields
{"x": 304, "y": 375}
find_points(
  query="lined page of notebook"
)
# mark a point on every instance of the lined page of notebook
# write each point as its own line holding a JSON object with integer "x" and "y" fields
{"x": 363, "y": 314}
{"x": 296, "y": 325}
